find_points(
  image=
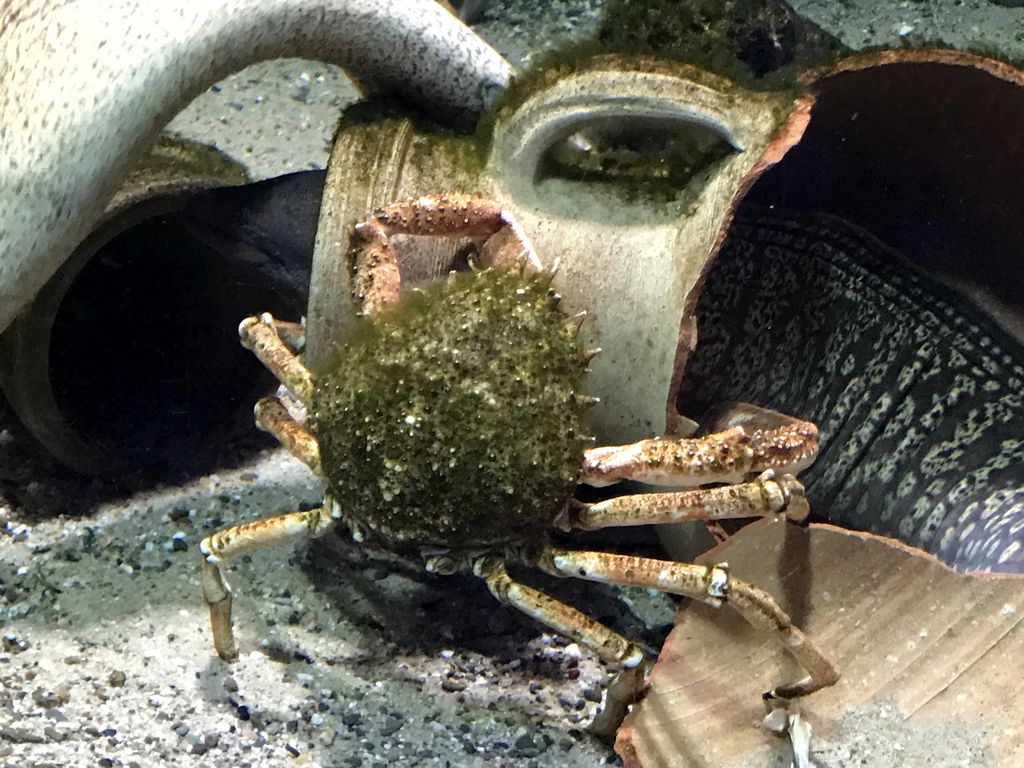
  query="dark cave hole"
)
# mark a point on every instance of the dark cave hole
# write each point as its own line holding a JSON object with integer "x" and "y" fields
{"x": 144, "y": 354}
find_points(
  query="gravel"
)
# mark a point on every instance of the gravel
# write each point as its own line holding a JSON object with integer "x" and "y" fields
{"x": 348, "y": 657}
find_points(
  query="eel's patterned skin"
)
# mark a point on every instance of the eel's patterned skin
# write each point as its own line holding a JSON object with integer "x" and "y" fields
{"x": 85, "y": 85}
{"x": 918, "y": 395}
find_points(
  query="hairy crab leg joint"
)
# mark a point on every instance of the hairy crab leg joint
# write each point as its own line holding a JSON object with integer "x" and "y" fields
{"x": 272, "y": 416}
{"x": 728, "y": 456}
{"x": 259, "y": 335}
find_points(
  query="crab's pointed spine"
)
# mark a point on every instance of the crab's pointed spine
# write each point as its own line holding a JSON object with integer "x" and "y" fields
{"x": 549, "y": 275}
{"x": 574, "y": 323}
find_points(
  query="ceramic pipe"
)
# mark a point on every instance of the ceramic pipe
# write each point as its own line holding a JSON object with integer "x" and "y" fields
{"x": 86, "y": 86}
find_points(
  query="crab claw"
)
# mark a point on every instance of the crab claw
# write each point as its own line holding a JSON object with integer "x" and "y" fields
{"x": 783, "y": 443}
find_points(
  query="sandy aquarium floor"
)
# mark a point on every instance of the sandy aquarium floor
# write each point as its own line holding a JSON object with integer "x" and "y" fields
{"x": 349, "y": 658}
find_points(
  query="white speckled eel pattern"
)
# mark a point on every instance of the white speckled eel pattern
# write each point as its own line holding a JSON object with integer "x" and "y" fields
{"x": 918, "y": 395}
{"x": 85, "y": 86}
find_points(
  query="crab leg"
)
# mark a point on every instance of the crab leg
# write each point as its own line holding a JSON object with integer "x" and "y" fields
{"x": 609, "y": 645}
{"x": 260, "y": 335}
{"x": 712, "y": 585}
{"x": 764, "y": 496}
{"x": 728, "y": 456}
{"x": 377, "y": 281}
{"x": 292, "y": 334}
{"x": 219, "y": 547}
{"x": 272, "y": 416}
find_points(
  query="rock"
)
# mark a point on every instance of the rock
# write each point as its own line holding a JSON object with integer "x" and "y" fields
{"x": 50, "y": 699}
{"x": 453, "y": 685}
{"x": 351, "y": 718}
{"x": 20, "y": 735}
{"x": 12, "y": 644}
{"x": 526, "y": 747}
{"x": 390, "y": 726}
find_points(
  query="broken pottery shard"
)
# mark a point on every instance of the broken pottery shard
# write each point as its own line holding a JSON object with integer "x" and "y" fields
{"x": 929, "y": 658}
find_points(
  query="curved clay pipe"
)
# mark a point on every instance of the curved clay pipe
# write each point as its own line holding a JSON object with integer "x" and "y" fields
{"x": 86, "y": 85}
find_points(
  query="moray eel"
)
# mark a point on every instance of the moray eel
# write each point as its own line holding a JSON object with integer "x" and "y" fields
{"x": 86, "y": 86}
{"x": 919, "y": 396}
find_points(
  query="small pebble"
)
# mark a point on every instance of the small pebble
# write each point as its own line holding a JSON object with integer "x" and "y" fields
{"x": 452, "y": 686}
{"x": 525, "y": 742}
{"x": 390, "y": 726}
{"x": 20, "y": 735}
{"x": 526, "y": 747}
{"x": 117, "y": 679}
{"x": 196, "y": 745}
{"x": 50, "y": 699}
{"x": 592, "y": 693}
{"x": 12, "y": 644}
{"x": 230, "y": 684}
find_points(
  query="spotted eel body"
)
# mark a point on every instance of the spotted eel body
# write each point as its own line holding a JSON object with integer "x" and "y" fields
{"x": 919, "y": 396}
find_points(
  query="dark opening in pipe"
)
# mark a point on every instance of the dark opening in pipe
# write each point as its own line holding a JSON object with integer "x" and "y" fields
{"x": 142, "y": 355}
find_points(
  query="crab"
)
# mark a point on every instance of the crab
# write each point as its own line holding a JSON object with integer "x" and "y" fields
{"x": 449, "y": 427}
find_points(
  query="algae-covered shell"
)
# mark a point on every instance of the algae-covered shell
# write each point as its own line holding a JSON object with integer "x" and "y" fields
{"x": 455, "y": 420}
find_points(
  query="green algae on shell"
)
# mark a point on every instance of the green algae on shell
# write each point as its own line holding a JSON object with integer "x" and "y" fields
{"x": 455, "y": 419}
